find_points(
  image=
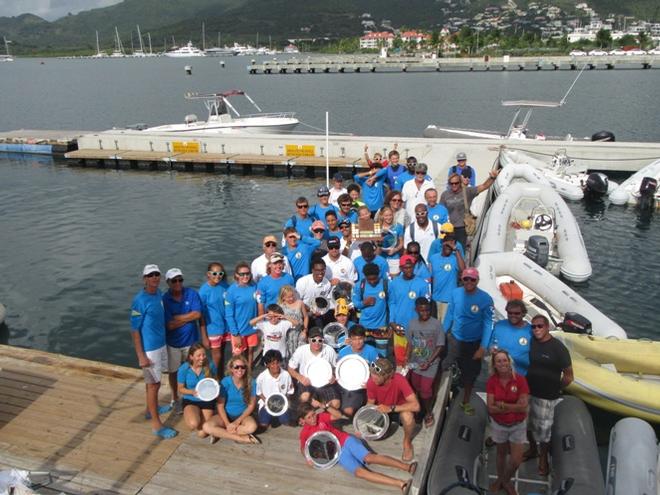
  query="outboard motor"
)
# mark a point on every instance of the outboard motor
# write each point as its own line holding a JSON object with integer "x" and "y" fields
{"x": 603, "y": 136}
{"x": 647, "y": 190}
{"x": 576, "y": 323}
{"x": 537, "y": 249}
{"x": 596, "y": 186}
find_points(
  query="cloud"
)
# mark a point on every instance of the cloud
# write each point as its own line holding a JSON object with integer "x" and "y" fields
{"x": 50, "y": 9}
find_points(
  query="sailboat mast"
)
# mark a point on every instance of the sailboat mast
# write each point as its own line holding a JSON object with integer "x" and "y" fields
{"x": 140, "y": 38}
{"x": 149, "y": 36}
{"x": 203, "y": 36}
{"x": 98, "y": 47}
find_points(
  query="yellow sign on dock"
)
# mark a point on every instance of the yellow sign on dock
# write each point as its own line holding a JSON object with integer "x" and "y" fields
{"x": 300, "y": 150}
{"x": 185, "y": 146}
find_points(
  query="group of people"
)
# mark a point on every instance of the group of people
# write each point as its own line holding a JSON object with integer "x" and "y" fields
{"x": 408, "y": 302}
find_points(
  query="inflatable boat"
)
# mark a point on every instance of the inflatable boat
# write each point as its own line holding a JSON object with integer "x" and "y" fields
{"x": 621, "y": 376}
{"x": 534, "y": 219}
{"x": 520, "y": 278}
{"x": 642, "y": 187}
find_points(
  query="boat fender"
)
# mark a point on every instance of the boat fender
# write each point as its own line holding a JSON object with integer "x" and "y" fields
{"x": 511, "y": 290}
{"x": 576, "y": 323}
{"x": 597, "y": 185}
{"x": 537, "y": 249}
{"x": 603, "y": 136}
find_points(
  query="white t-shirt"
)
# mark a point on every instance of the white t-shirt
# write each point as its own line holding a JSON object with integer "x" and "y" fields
{"x": 274, "y": 335}
{"x": 334, "y": 195}
{"x": 268, "y": 385}
{"x": 342, "y": 269}
{"x": 308, "y": 289}
{"x": 259, "y": 265}
{"x": 424, "y": 236}
{"x": 303, "y": 356}
{"x": 412, "y": 196}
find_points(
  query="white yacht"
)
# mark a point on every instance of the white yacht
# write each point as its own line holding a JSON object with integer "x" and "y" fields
{"x": 223, "y": 118}
{"x": 7, "y": 57}
{"x": 189, "y": 50}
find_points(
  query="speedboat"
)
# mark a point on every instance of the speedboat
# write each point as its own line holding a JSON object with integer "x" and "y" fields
{"x": 507, "y": 276}
{"x": 534, "y": 219}
{"x": 189, "y": 50}
{"x": 640, "y": 188}
{"x": 223, "y": 118}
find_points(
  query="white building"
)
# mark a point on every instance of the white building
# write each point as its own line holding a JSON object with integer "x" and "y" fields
{"x": 373, "y": 41}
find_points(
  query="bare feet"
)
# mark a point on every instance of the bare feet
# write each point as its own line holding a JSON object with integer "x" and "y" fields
{"x": 408, "y": 454}
{"x": 405, "y": 487}
{"x": 412, "y": 467}
{"x": 509, "y": 488}
{"x": 544, "y": 469}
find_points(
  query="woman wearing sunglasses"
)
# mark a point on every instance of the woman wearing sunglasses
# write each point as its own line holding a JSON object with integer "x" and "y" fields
{"x": 240, "y": 308}
{"x": 236, "y": 403}
{"x": 213, "y": 325}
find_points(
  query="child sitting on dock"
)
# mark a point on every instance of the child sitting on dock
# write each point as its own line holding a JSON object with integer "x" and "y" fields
{"x": 354, "y": 456}
{"x": 273, "y": 380}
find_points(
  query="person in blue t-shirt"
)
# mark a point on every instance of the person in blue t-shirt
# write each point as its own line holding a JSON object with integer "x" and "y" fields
{"x": 369, "y": 255}
{"x": 514, "y": 335}
{"x": 240, "y": 308}
{"x": 236, "y": 403}
{"x": 421, "y": 269}
{"x": 346, "y": 211}
{"x": 463, "y": 169}
{"x": 319, "y": 210}
{"x": 436, "y": 212}
{"x": 183, "y": 310}
{"x": 370, "y": 298}
{"x": 148, "y": 333}
{"x": 332, "y": 223}
{"x": 299, "y": 251}
{"x": 469, "y": 318}
{"x": 373, "y": 187}
{"x": 301, "y": 221}
{"x": 213, "y": 326}
{"x": 394, "y": 171}
{"x": 352, "y": 400}
{"x": 268, "y": 288}
{"x": 196, "y": 367}
{"x": 446, "y": 228}
{"x": 445, "y": 267}
{"x": 404, "y": 291}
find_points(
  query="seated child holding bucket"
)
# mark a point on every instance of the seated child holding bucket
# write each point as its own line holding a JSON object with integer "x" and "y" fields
{"x": 354, "y": 456}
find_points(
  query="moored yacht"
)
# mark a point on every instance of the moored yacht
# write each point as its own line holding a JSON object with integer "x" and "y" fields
{"x": 189, "y": 50}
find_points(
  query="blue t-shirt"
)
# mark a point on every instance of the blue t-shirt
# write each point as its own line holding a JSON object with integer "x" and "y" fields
{"x": 213, "y": 308}
{"x": 403, "y": 178}
{"x": 187, "y": 334}
{"x": 439, "y": 214}
{"x": 148, "y": 318}
{"x": 514, "y": 340}
{"x": 371, "y": 316}
{"x": 436, "y": 247}
{"x": 268, "y": 288}
{"x": 422, "y": 271}
{"x": 444, "y": 270}
{"x": 360, "y": 262}
{"x": 318, "y": 211}
{"x": 401, "y": 298}
{"x": 189, "y": 379}
{"x": 392, "y": 239}
{"x": 234, "y": 401}
{"x": 373, "y": 196}
{"x": 469, "y": 316}
{"x": 300, "y": 257}
{"x": 240, "y": 308}
{"x": 455, "y": 169}
{"x": 352, "y": 216}
{"x": 368, "y": 353}
{"x": 301, "y": 225}
{"x": 394, "y": 176}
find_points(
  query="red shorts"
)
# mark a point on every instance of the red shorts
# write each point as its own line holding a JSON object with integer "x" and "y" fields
{"x": 423, "y": 385}
{"x": 217, "y": 340}
{"x": 239, "y": 344}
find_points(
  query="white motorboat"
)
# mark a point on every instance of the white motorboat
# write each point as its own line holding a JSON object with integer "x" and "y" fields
{"x": 188, "y": 50}
{"x": 220, "y": 51}
{"x": 638, "y": 186}
{"x": 542, "y": 293}
{"x": 534, "y": 219}
{"x": 223, "y": 118}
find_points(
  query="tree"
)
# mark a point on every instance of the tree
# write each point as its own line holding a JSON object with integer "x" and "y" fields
{"x": 627, "y": 40}
{"x": 604, "y": 38}
{"x": 643, "y": 39}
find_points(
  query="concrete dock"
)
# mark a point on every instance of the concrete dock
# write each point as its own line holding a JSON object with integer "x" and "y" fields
{"x": 83, "y": 422}
{"x": 373, "y": 63}
{"x": 39, "y": 141}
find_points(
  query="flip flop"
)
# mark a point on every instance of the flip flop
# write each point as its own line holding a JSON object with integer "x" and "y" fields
{"x": 213, "y": 440}
{"x": 254, "y": 440}
{"x": 429, "y": 420}
{"x": 161, "y": 410}
{"x": 165, "y": 432}
{"x": 468, "y": 409}
{"x": 405, "y": 488}
{"x": 409, "y": 458}
{"x": 412, "y": 467}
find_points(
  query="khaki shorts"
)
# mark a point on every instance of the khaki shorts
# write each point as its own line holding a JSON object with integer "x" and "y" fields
{"x": 158, "y": 360}
{"x": 176, "y": 356}
{"x": 516, "y": 433}
{"x": 442, "y": 309}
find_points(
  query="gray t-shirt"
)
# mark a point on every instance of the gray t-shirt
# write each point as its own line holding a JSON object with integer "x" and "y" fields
{"x": 424, "y": 337}
{"x": 454, "y": 204}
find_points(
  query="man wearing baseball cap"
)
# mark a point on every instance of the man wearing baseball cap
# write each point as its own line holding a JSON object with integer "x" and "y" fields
{"x": 183, "y": 311}
{"x": 337, "y": 189}
{"x": 468, "y": 323}
{"x": 445, "y": 266}
{"x": 463, "y": 169}
{"x": 148, "y": 333}
{"x": 339, "y": 268}
{"x": 259, "y": 266}
{"x": 319, "y": 210}
{"x": 404, "y": 291}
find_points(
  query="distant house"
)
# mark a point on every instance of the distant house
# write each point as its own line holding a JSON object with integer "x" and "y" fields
{"x": 374, "y": 41}
{"x": 415, "y": 37}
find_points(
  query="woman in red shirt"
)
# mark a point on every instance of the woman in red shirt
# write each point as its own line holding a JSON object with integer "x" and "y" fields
{"x": 507, "y": 396}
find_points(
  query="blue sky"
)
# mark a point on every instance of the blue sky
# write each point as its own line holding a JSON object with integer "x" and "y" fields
{"x": 50, "y": 9}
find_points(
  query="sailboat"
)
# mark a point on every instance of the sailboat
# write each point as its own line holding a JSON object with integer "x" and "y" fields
{"x": 99, "y": 53}
{"x": 119, "y": 49}
{"x": 7, "y": 57}
{"x": 140, "y": 53}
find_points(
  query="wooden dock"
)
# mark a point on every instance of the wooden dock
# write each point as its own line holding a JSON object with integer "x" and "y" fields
{"x": 83, "y": 421}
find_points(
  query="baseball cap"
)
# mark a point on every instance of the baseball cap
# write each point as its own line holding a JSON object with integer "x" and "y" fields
{"x": 342, "y": 307}
{"x": 150, "y": 269}
{"x": 446, "y": 228}
{"x": 318, "y": 224}
{"x": 270, "y": 238}
{"x": 345, "y": 221}
{"x": 406, "y": 258}
{"x": 323, "y": 191}
{"x": 275, "y": 257}
{"x": 461, "y": 155}
{"x": 334, "y": 242}
{"x": 471, "y": 272}
{"x": 173, "y": 272}
{"x": 314, "y": 332}
{"x": 338, "y": 177}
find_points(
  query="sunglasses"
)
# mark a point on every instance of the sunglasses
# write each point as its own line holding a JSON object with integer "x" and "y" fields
{"x": 216, "y": 274}
{"x": 176, "y": 281}
{"x": 538, "y": 325}
{"x": 346, "y": 204}
{"x": 302, "y": 206}
{"x": 239, "y": 367}
{"x": 333, "y": 247}
{"x": 344, "y": 226}
{"x": 270, "y": 244}
{"x": 454, "y": 183}
{"x": 469, "y": 279}
{"x": 396, "y": 200}
{"x": 318, "y": 231}
{"x": 243, "y": 274}
{"x": 152, "y": 275}
{"x": 377, "y": 368}
{"x": 316, "y": 340}
{"x": 514, "y": 313}
{"x": 421, "y": 213}
{"x": 420, "y": 173}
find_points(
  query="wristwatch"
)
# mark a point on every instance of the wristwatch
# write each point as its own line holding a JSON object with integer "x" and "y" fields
{"x": 392, "y": 408}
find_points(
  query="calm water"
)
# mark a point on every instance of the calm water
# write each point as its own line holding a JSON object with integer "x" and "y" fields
{"x": 73, "y": 241}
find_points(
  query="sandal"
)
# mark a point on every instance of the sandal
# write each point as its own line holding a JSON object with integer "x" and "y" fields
{"x": 254, "y": 440}
{"x": 165, "y": 432}
{"x": 468, "y": 408}
{"x": 412, "y": 467}
{"x": 161, "y": 410}
{"x": 429, "y": 420}
{"x": 544, "y": 469}
{"x": 405, "y": 488}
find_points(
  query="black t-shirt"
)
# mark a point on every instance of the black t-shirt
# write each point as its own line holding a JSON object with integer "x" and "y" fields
{"x": 546, "y": 362}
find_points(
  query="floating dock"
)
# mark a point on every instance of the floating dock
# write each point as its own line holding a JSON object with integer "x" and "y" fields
{"x": 83, "y": 422}
{"x": 371, "y": 64}
{"x": 40, "y": 142}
